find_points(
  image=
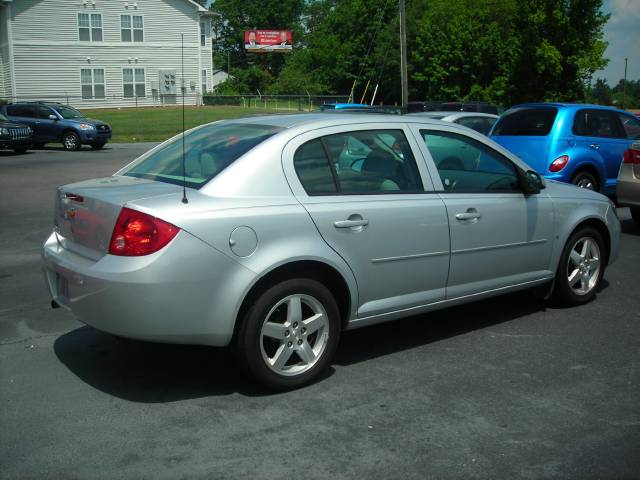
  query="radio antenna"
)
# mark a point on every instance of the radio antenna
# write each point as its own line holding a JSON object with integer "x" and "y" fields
{"x": 183, "y": 86}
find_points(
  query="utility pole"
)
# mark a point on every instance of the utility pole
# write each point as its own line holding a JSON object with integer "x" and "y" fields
{"x": 624, "y": 85}
{"x": 403, "y": 56}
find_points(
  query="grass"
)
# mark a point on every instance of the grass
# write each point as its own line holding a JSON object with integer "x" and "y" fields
{"x": 152, "y": 124}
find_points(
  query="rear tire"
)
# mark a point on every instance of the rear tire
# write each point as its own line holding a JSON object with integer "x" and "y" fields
{"x": 289, "y": 334}
{"x": 581, "y": 267}
{"x": 71, "y": 141}
{"x": 585, "y": 179}
{"x": 635, "y": 214}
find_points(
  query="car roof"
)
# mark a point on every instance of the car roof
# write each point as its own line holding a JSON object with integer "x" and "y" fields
{"x": 456, "y": 115}
{"x": 567, "y": 105}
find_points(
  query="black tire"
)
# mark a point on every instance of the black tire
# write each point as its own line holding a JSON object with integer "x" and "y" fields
{"x": 38, "y": 145}
{"x": 635, "y": 214}
{"x": 19, "y": 151}
{"x": 249, "y": 344}
{"x": 586, "y": 179}
{"x": 98, "y": 145}
{"x": 71, "y": 141}
{"x": 563, "y": 292}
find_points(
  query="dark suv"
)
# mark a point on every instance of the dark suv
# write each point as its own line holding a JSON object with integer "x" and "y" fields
{"x": 14, "y": 136}
{"x": 57, "y": 123}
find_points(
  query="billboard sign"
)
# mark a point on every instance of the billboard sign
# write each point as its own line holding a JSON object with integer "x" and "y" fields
{"x": 265, "y": 41}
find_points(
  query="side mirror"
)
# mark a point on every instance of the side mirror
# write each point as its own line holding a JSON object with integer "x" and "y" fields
{"x": 531, "y": 182}
{"x": 53, "y": 117}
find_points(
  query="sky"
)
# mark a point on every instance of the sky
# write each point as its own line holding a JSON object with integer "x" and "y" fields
{"x": 623, "y": 34}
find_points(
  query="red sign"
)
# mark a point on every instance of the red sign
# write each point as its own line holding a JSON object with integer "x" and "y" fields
{"x": 263, "y": 41}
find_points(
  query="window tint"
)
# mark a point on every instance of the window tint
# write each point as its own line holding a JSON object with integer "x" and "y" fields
{"x": 19, "y": 110}
{"x": 465, "y": 165}
{"x": 207, "y": 151}
{"x": 631, "y": 126}
{"x": 362, "y": 162}
{"x": 597, "y": 123}
{"x": 42, "y": 112}
{"x": 536, "y": 122}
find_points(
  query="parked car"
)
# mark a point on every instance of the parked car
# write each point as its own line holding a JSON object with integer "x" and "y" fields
{"x": 430, "y": 106}
{"x": 572, "y": 143}
{"x": 14, "y": 136}
{"x": 57, "y": 123}
{"x": 269, "y": 235}
{"x": 480, "y": 122}
{"x": 343, "y": 106}
{"x": 628, "y": 188}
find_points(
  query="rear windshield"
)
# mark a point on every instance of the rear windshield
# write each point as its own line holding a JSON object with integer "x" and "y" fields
{"x": 535, "y": 122}
{"x": 207, "y": 151}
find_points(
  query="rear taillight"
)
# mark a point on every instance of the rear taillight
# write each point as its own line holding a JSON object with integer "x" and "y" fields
{"x": 137, "y": 234}
{"x": 632, "y": 156}
{"x": 559, "y": 163}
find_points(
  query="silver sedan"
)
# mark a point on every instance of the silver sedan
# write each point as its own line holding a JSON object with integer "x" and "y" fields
{"x": 274, "y": 234}
{"x": 480, "y": 122}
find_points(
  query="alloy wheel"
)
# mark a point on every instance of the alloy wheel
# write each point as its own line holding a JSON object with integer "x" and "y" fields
{"x": 294, "y": 335}
{"x": 583, "y": 266}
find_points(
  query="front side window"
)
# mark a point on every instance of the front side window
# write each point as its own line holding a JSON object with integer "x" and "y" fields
{"x": 631, "y": 126}
{"x": 131, "y": 28}
{"x": 90, "y": 27}
{"x": 534, "y": 122}
{"x": 361, "y": 162}
{"x": 597, "y": 123}
{"x": 133, "y": 82}
{"x": 466, "y": 165}
{"x": 92, "y": 83}
{"x": 207, "y": 151}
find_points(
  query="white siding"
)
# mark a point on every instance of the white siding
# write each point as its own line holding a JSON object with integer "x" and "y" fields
{"x": 5, "y": 65}
{"x": 49, "y": 56}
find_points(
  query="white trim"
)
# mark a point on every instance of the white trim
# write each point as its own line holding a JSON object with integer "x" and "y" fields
{"x": 133, "y": 68}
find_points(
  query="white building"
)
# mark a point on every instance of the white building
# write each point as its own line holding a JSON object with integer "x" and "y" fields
{"x": 104, "y": 53}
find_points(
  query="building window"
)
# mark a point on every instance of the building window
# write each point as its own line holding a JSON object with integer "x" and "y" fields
{"x": 133, "y": 82}
{"x": 90, "y": 27}
{"x": 204, "y": 81}
{"x": 131, "y": 28}
{"x": 203, "y": 38}
{"x": 92, "y": 82}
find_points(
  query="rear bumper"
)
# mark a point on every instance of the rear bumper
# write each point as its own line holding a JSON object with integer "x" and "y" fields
{"x": 628, "y": 191}
{"x": 185, "y": 293}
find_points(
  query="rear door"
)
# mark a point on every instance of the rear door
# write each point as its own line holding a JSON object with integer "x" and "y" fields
{"x": 378, "y": 212}
{"x": 601, "y": 131}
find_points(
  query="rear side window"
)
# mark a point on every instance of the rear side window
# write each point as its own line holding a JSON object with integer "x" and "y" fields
{"x": 597, "y": 123}
{"x": 207, "y": 151}
{"x": 533, "y": 122}
{"x": 631, "y": 126}
{"x": 19, "y": 110}
{"x": 479, "y": 124}
{"x": 361, "y": 162}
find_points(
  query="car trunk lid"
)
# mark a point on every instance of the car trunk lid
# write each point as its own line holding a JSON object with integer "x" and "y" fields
{"x": 86, "y": 212}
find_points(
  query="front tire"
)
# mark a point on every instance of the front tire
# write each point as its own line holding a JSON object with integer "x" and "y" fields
{"x": 19, "y": 151}
{"x": 290, "y": 334}
{"x": 635, "y": 214}
{"x": 586, "y": 180}
{"x": 71, "y": 141}
{"x": 581, "y": 267}
{"x": 97, "y": 145}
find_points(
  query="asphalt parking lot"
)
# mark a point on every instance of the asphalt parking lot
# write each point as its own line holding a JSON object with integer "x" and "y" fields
{"x": 512, "y": 387}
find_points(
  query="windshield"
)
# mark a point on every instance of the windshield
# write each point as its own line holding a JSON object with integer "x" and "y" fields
{"x": 207, "y": 151}
{"x": 68, "y": 112}
{"x": 535, "y": 122}
{"x": 3, "y": 118}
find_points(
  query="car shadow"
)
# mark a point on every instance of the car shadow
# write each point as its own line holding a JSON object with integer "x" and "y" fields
{"x": 157, "y": 373}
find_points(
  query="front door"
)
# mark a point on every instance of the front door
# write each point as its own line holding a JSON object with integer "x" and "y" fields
{"x": 500, "y": 237}
{"x": 369, "y": 200}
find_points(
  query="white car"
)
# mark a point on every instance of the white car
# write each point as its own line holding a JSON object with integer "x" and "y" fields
{"x": 480, "y": 122}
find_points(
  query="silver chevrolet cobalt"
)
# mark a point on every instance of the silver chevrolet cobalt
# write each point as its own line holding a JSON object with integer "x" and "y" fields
{"x": 273, "y": 234}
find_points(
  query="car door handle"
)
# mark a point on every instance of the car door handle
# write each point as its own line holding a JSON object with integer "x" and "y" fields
{"x": 470, "y": 214}
{"x": 595, "y": 146}
{"x": 351, "y": 223}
